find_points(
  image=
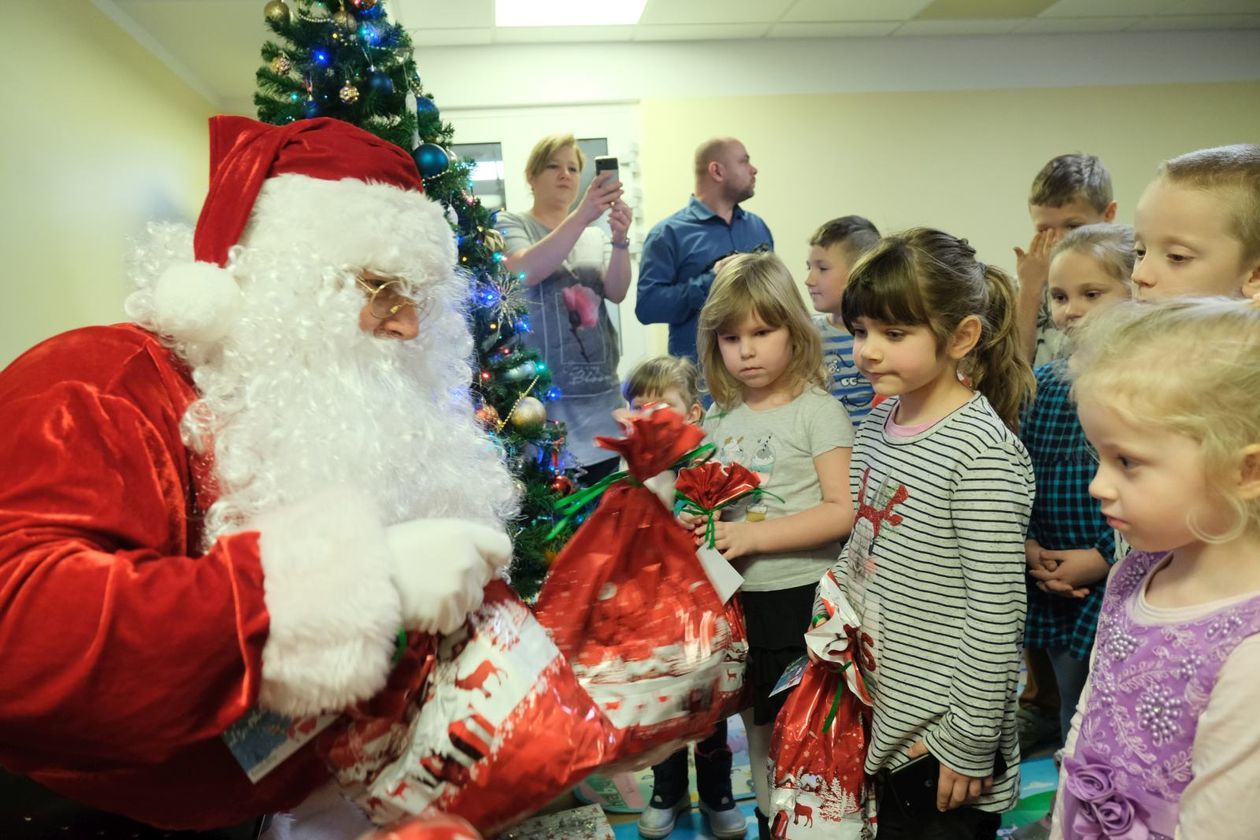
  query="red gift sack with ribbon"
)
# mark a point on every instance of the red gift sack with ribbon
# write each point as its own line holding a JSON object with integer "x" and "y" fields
{"x": 818, "y": 747}
{"x": 628, "y": 603}
{"x": 488, "y": 723}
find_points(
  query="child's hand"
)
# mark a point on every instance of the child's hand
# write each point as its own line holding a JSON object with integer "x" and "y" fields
{"x": 734, "y": 539}
{"x": 1033, "y": 266}
{"x": 690, "y": 521}
{"x": 954, "y": 789}
{"x": 1033, "y": 558}
{"x": 1073, "y": 572}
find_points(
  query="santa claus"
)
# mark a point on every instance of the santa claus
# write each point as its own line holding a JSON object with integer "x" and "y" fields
{"x": 238, "y": 499}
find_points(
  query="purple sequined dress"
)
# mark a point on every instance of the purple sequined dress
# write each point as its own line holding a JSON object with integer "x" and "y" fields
{"x": 1148, "y": 687}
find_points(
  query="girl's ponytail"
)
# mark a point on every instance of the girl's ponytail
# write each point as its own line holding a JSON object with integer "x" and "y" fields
{"x": 997, "y": 368}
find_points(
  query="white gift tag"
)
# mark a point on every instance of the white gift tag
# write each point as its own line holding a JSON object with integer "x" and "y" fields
{"x": 721, "y": 573}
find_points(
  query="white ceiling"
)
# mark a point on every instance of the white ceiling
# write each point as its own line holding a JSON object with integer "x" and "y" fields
{"x": 207, "y": 42}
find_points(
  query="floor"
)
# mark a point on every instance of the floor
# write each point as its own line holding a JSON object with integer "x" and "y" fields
{"x": 623, "y": 796}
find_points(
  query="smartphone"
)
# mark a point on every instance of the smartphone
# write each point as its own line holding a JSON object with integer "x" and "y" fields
{"x": 606, "y": 163}
{"x": 913, "y": 785}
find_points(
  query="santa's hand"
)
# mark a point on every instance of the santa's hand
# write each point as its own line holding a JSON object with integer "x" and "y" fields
{"x": 441, "y": 566}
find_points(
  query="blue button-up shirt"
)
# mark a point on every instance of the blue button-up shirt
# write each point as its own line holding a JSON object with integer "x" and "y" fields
{"x": 677, "y": 266}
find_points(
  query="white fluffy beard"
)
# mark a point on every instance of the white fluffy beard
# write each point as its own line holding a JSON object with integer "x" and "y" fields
{"x": 296, "y": 397}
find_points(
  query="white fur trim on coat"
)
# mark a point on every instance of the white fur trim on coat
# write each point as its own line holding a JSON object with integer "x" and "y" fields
{"x": 195, "y": 301}
{"x": 334, "y": 611}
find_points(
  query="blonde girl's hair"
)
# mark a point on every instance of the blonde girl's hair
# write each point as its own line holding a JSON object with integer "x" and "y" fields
{"x": 1110, "y": 246}
{"x": 928, "y": 277}
{"x": 756, "y": 284}
{"x": 1187, "y": 365}
{"x": 655, "y": 376}
{"x": 546, "y": 148}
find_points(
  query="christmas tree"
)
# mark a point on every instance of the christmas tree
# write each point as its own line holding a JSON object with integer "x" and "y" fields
{"x": 345, "y": 59}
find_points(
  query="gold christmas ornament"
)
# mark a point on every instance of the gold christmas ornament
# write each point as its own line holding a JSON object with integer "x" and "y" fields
{"x": 280, "y": 64}
{"x": 276, "y": 12}
{"x": 529, "y": 412}
{"x": 349, "y": 94}
{"x": 493, "y": 240}
{"x": 343, "y": 19}
{"x": 319, "y": 10}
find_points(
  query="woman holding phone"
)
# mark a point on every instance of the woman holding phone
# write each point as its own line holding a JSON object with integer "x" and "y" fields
{"x": 569, "y": 268}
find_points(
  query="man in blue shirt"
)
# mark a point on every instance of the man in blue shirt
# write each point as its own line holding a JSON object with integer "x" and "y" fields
{"x": 684, "y": 251}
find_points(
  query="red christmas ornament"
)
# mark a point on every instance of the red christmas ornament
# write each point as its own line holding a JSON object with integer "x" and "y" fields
{"x": 562, "y": 484}
{"x": 488, "y": 417}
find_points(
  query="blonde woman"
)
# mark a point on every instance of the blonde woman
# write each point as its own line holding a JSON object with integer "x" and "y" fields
{"x": 569, "y": 270}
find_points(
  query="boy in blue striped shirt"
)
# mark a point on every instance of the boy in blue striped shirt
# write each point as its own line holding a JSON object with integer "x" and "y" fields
{"x": 833, "y": 251}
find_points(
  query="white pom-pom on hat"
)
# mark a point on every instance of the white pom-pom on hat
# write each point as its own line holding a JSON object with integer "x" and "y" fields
{"x": 196, "y": 302}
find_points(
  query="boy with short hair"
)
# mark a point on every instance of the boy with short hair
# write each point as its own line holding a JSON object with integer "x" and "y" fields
{"x": 1197, "y": 226}
{"x": 1069, "y": 191}
{"x": 833, "y": 251}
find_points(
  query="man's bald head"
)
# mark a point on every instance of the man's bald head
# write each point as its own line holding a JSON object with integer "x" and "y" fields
{"x": 714, "y": 149}
{"x": 724, "y": 171}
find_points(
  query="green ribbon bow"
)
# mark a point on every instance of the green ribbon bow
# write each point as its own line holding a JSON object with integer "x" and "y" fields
{"x": 571, "y": 505}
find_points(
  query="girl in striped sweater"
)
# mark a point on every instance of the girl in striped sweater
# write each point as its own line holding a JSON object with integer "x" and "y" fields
{"x": 943, "y": 489}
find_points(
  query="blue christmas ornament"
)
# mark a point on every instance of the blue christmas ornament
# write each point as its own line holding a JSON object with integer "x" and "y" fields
{"x": 425, "y": 105}
{"x": 311, "y": 108}
{"x": 382, "y": 82}
{"x": 431, "y": 158}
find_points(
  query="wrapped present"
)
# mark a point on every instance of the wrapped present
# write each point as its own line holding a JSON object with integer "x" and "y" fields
{"x": 705, "y": 491}
{"x": 818, "y": 747}
{"x": 487, "y": 724}
{"x": 629, "y": 604}
{"x": 586, "y": 822}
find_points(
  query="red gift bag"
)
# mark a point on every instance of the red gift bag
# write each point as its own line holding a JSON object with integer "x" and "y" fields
{"x": 630, "y": 606}
{"x": 818, "y": 747}
{"x": 488, "y": 723}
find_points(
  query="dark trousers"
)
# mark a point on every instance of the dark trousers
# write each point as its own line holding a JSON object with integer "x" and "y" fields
{"x": 959, "y": 824}
{"x": 713, "y": 772}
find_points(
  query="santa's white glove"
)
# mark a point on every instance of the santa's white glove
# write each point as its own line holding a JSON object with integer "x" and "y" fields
{"x": 441, "y": 566}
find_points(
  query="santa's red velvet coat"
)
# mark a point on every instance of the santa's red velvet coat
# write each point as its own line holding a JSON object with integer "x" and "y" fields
{"x": 125, "y": 651}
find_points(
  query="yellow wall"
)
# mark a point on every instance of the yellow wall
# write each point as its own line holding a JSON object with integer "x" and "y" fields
{"x": 958, "y": 160}
{"x": 99, "y": 138}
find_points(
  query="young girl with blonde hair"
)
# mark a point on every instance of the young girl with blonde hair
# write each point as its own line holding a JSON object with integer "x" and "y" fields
{"x": 935, "y": 563}
{"x": 762, "y": 359}
{"x": 1165, "y": 739}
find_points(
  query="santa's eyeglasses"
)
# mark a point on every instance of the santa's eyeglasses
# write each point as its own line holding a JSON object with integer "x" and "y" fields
{"x": 386, "y": 298}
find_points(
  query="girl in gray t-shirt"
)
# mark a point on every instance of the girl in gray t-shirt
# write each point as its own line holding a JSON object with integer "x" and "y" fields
{"x": 762, "y": 360}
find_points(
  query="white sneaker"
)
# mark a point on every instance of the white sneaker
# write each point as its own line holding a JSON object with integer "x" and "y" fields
{"x": 656, "y": 823}
{"x": 728, "y": 823}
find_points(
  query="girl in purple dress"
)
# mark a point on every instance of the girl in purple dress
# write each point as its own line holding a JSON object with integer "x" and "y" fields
{"x": 1165, "y": 739}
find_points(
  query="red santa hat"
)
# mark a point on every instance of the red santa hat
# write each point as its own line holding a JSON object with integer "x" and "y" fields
{"x": 322, "y": 185}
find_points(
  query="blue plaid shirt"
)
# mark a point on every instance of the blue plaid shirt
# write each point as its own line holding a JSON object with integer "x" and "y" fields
{"x": 1064, "y": 515}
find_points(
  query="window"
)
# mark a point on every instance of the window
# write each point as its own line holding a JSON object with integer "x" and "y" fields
{"x": 487, "y": 171}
